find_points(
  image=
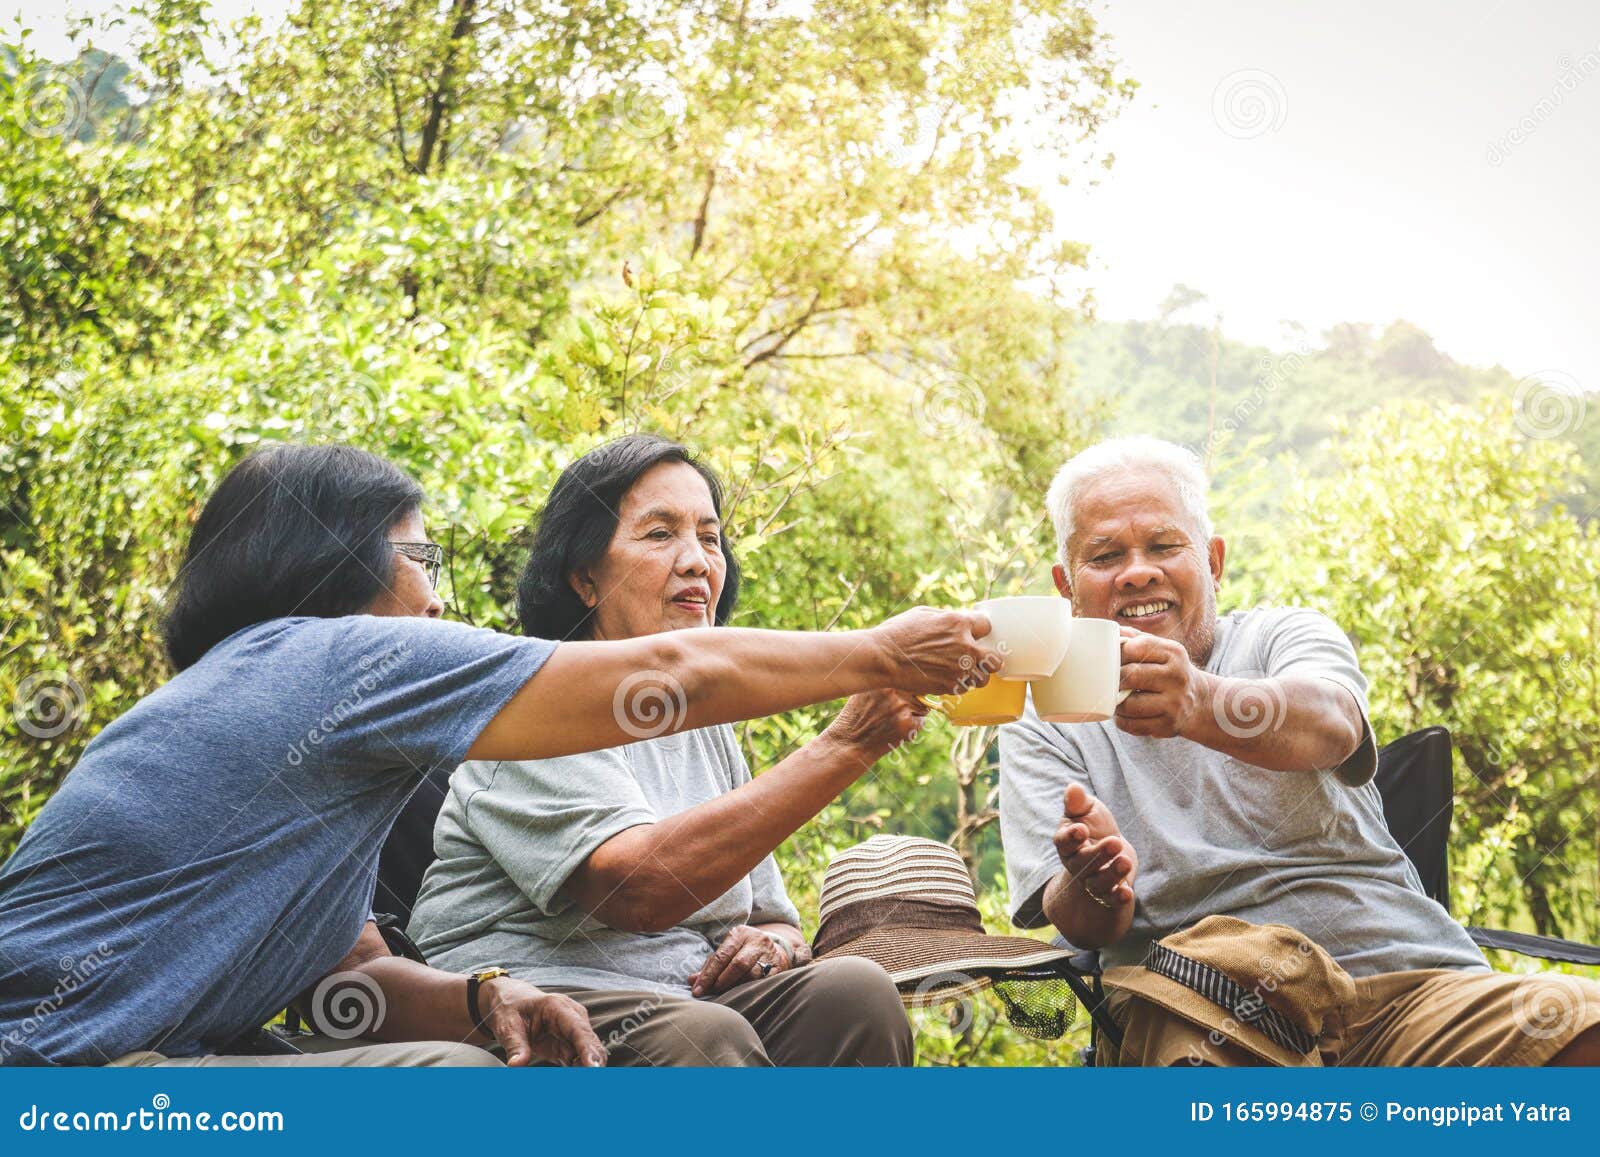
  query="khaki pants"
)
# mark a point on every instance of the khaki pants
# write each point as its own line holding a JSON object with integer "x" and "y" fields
{"x": 843, "y": 1011}
{"x": 1430, "y": 1017}
{"x": 325, "y": 1052}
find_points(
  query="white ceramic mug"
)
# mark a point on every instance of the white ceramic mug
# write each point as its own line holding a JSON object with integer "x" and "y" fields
{"x": 1084, "y": 687}
{"x": 1030, "y": 632}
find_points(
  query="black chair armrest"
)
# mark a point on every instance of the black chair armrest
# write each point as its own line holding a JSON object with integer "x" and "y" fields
{"x": 1082, "y": 967}
{"x": 394, "y": 936}
{"x": 1541, "y": 947}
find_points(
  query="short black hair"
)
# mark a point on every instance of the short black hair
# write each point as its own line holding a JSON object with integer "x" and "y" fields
{"x": 291, "y": 530}
{"x": 577, "y": 526}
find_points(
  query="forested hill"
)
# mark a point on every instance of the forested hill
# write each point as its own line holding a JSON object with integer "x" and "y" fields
{"x": 1196, "y": 386}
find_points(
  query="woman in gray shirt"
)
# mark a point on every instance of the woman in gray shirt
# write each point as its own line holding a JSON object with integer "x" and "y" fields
{"x": 639, "y": 880}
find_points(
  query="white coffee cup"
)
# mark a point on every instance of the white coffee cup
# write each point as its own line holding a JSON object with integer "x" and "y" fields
{"x": 1030, "y": 632}
{"x": 1084, "y": 686}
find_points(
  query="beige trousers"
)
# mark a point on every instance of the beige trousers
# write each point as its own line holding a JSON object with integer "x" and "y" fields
{"x": 1432, "y": 1017}
{"x": 326, "y": 1052}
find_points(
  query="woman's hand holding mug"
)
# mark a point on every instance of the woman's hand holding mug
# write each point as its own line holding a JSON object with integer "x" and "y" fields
{"x": 932, "y": 652}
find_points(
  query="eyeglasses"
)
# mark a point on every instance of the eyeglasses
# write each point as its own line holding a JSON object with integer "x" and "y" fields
{"x": 429, "y": 555}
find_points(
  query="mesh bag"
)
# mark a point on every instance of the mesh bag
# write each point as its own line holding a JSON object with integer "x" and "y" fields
{"x": 1043, "y": 1008}
{"x": 1038, "y": 1001}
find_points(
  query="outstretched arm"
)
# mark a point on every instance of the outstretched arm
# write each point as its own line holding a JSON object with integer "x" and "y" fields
{"x": 592, "y": 695}
{"x": 1090, "y": 901}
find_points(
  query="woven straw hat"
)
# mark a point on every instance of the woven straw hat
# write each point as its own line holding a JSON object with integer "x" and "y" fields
{"x": 1265, "y": 987}
{"x": 908, "y": 904}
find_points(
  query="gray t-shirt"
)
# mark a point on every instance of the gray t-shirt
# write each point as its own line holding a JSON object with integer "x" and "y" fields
{"x": 511, "y": 833}
{"x": 1214, "y": 835}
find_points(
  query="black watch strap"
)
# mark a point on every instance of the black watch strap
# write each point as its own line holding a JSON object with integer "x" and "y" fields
{"x": 474, "y": 982}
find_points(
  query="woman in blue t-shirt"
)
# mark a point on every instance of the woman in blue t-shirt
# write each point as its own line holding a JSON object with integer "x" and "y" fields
{"x": 212, "y": 855}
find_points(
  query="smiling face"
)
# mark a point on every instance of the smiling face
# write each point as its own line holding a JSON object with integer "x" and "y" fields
{"x": 663, "y": 569}
{"x": 1136, "y": 557}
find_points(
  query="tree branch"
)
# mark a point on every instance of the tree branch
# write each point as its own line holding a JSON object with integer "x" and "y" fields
{"x": 584, "y": 218}
{"x": 443, "y": 93}
{"x": 705, "y": 209}
{"x": 399, "y": 125}
{"x": 787, "y": 335}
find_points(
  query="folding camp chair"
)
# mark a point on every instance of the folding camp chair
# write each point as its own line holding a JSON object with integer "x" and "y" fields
{"x": 1415, "y": 779}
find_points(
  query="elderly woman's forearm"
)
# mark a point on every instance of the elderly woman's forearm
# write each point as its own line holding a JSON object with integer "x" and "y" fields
{"x": 652, "y": 877}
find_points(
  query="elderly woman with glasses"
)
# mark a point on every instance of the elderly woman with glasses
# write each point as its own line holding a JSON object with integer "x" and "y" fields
{"x": 214, "y": 852}
{"x": 639, "y": 879}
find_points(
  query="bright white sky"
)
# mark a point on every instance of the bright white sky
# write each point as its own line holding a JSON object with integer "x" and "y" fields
{"x": 1374, "y": 197}
{"x": 1374, "y": 177}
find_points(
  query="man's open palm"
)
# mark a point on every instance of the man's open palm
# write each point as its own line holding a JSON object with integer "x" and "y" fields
{"x": 1092, "y": 849}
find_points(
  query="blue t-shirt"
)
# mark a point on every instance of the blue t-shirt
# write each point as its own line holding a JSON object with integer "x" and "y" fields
{"x": 213, "y": 853}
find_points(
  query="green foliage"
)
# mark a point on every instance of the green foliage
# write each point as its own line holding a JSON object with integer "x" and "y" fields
{"x": 1472, "y": 596}
{"x": 481, "y": 243}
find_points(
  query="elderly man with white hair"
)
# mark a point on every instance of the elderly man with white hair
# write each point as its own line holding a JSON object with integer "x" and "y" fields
{"x": 1235, "y": 779}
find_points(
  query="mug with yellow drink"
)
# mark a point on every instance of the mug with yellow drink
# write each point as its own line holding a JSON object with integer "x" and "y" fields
{"x": 1073, "y": 665}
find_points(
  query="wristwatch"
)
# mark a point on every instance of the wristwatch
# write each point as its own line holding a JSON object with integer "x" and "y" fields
{"x": 473, "y": 981}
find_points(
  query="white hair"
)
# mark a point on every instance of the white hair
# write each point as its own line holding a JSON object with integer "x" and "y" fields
{"x": 1176, "y": 462}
